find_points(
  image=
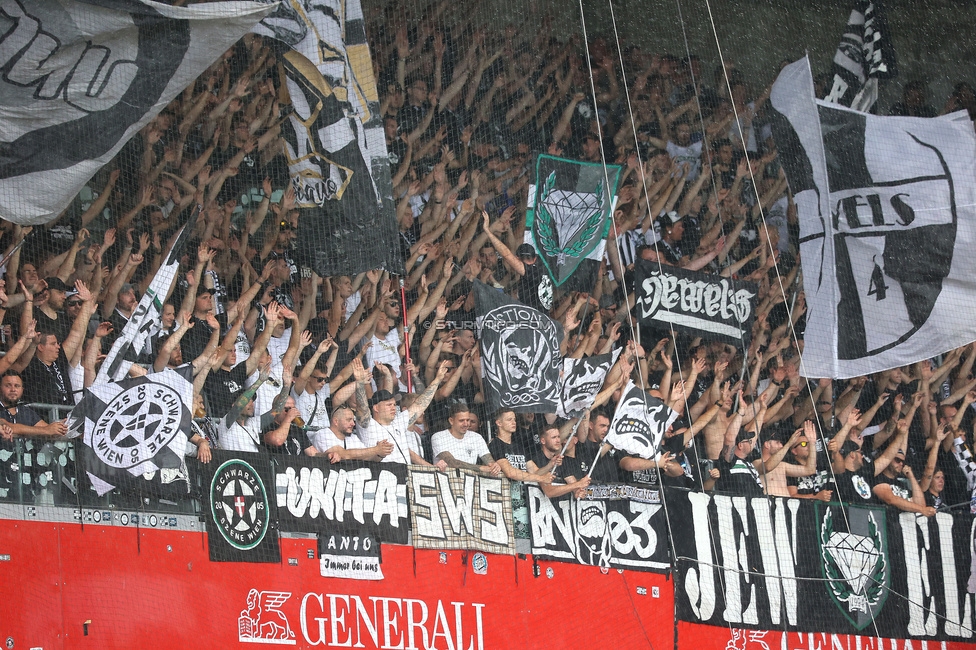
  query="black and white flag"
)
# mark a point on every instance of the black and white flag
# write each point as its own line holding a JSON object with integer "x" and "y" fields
{"x": 887, "y": 211}
{"x": 581, "y": 381}
{"x": 146, "y": 318}
{"x": 568, "y": 217}
{"x": 81, "y": 77}
{"x": 864, "y": 56}
{"x": 334, "y": 142}
{"x": 639, "y": 422}
{"x": 240, "y": 514}
{"x": 700, "y": 304}
{"x": 136, "y": 426}
{"x": 520, "y": 359}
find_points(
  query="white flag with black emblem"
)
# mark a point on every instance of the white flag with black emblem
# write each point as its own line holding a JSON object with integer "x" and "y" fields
{"x": 581, "y": 381}
{"x": 135, "y": 426}
{"x": 82, "y": 77}
{"x": 639, "y": 422}
{"x": 887, "y": 211}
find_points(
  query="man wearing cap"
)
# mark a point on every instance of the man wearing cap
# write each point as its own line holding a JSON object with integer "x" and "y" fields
{"x": 773, "y": 466}
{"x": 897, "y": 488}
{"x": 458, "y": 446}
{"x": 377, "y": 418}
{"x": 534, "y": 287}
{"x": 737, "y": 475}
{"x": 50, "y": 311}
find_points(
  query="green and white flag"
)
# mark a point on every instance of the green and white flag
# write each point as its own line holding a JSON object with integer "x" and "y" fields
{"x": 568, "y": 216}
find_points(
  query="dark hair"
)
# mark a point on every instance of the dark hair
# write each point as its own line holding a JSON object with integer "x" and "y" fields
{"x": 12, "y": 373}
{"x": 459, "y": 407}
{"x": 502, "y": 411}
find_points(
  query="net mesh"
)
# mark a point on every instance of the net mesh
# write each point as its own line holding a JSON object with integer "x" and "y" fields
{"x": 310, "y": 224}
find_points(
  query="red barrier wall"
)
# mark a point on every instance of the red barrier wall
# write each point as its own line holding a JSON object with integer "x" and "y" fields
{"x": 158, "y": 589}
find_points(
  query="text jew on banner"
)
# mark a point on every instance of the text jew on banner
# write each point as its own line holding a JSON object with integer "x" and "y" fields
{"x": 354, "y": 498}
{"x": 611, "y": 527}
{"x": 699, "y": 304}
{"x": 520, "y": 358}
{"x": 460, "y": 509}
{"x": 240, "y": 513}
{"x": 334, "y": 139}
{"x": 754, "y": 563}
{"x": 72, "y": 94}
{"x": 568, "y": 217}
{"x": 887, "y": 211}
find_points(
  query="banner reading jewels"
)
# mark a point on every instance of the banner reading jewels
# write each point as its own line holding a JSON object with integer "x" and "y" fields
{"x": 356, "y": 498}
{"x": 754, "y": 563}
{"x": 700, "y": 304}
{"x": 609, "y": 528}
{"x": 460, "y": 509}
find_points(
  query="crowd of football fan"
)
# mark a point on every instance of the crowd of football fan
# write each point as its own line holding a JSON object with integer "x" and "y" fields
{"x": 289, "y": 362}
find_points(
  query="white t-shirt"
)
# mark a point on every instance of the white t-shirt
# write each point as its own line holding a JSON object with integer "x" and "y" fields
{"x": 314, "y": 408}
{"x": 690, "y": 154}
{"x": 468, "y": 449}
{"x": 240, "y": 438}
{"x": 404, "y": 441}
{"x": 326, "y": 439}
{"x": 277, "y": 348}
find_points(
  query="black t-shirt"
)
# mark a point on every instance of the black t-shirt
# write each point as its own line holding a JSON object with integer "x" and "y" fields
{"x": 933, "y": 501}
{"x": 25, "y": 415}
{"x": 900, "y": 485}
{"x": 222, "y": 387}
{"x": 569, "y": 466}
{"x": 510, "y": 451}
{"x": 295, "y": 444}
{"x": 58, "y": 326}
{"x": 534, "y": 288}
{"x": 738, "y": 477}
{"x": 643, "y": 477}
{"x": 48, "y": 384}
{"x": 815, "y": 482}
{"x": 195, "y": 341}
{"x": 854, "y": 487}
{"x": 606, "y": 467}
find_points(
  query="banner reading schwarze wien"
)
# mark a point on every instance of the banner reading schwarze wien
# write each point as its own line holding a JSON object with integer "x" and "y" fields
{"x": 887, "y": 211}
{"x": 700, "y": 304}
{"x": 568, "y": 216}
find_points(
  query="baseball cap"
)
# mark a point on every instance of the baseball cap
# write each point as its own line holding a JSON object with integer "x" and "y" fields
{"x": 57, "y": 284}
{"x": 382, "y": 396}
{"x": 525, "y": 250}
{"x": 668, "y": 220}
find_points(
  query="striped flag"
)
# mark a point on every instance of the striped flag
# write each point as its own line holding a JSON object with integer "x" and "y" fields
{"x": 865, "y": 54}
{"x": 147, "y": 314}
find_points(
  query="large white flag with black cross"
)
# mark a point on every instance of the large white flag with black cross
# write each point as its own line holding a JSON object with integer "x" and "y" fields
{"x": 136, "y": 427}
{"x": 568, "y": 217}
{"x": 887, "y": 211}
{"x": 81, "y": 77}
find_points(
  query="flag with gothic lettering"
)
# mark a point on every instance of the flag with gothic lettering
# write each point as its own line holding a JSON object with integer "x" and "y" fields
{"x": 887, "y": 211}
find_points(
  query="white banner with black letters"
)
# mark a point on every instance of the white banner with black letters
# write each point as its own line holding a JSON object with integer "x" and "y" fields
{"x": 887, "y": 211}
{"x": 700, "y": 304}
{"x": 81, "y": 78}
{"x": 604, "y": 529}
{"x": 357, "y": 499}
{"x": 460, "y": 509}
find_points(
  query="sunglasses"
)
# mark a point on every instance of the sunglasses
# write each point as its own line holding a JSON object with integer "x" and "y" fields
{"x": 900, "y": 461}
{"x": 284, "y": 225}
{"x": 802, "y": 443}
{"x": 319, "y": 379}
{"x": 72, "y": 303}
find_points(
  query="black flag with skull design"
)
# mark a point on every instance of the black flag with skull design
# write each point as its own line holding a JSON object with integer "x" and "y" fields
{"x": 639, "y": 422}
{"x": 520, "y": 357}
{"x": 582, "y": 380}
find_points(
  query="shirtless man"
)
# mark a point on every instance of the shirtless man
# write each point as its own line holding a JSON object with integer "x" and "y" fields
{"x": 774, "y": 470}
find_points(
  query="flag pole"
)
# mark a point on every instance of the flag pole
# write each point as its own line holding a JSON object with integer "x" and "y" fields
{"x": 603, "y": 447}
{"x": 406, "y": 331}
{"x": 571, "y": 436}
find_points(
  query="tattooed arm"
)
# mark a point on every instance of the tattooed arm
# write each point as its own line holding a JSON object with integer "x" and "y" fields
{"x": 362, "y": 402}
{"x": 417, "y": 408}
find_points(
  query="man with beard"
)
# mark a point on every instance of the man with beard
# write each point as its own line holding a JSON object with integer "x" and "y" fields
{"x": 50, "y": 313}
{"x": 338, "y": 441}
{"x": 283, "y": 436}
{"x": 587, "y": 450}
{"x": 460, "y": 447}
{"x": 546, "y": 461}
{"x": 897, "y": 488}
